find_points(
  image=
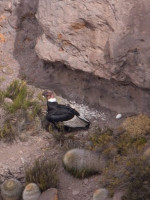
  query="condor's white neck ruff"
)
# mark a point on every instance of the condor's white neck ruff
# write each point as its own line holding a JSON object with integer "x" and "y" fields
{"x": 52, "y": 100}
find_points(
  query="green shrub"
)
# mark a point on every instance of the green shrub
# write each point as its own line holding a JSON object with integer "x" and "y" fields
{"x": 21, "y": 97}
{"x": 1, "y": 96}
{"x": 43, "y": 173}
{"x": 82, "y": 173}
{"x": 101, "y": 139}
{"x": 126, "y": 143}
{"x": 23, "y": 110}
{"x": 138, "y": 180}
{"x": 122, "y": 151}
{"x": 7, "y": 132}
{"x": 17, "y": 87}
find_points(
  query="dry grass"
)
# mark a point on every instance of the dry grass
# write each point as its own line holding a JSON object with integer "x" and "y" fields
{"x": 138, "y": 125}
{"x": 43, "y": 173}
{"x": 7, "y": 132}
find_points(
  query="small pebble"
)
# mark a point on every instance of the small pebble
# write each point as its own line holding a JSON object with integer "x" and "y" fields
{"x": 8, "y": 101}
{"x": 85, "y": 181}
{"x": 118, "y": 116}
{"x": 75, "y": 192}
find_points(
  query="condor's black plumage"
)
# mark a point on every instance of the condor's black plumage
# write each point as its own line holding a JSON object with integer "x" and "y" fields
{"x": 63, "y": 113}
{"x": 59, "y": 113}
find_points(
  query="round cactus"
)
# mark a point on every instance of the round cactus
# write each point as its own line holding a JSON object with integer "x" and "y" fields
{"x": 31, "y": 192}
{"x": 11, "y": 189}
{"x": 82, "y": 163}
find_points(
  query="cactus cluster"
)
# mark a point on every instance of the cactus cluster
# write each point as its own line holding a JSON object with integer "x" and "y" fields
{"x": 82, "y": 163}
{"x": 31, "y": 192}
{"x": 11, "y": 189}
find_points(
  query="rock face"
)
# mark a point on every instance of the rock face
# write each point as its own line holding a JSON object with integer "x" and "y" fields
{"x": 109, "y": 39}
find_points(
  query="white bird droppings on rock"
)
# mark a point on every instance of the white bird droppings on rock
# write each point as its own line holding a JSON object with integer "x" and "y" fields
{"x": 118, "y": 116}
{"x": 87, "y": 112}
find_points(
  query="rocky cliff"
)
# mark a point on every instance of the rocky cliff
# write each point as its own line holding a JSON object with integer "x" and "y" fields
{"x": 92, "y": 51}
{"x": 109, "y": 38}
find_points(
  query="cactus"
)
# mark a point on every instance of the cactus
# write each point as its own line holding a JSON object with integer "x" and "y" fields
{"x": 31, "y": 192}
{"x": 11, "y": 189}
{"x": 82, "y": 163}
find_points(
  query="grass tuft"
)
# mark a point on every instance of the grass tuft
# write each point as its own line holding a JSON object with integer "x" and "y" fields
{"x": 82, "y": 173}
{"x": 24, "y": 110}
{"x": 7, "y": 132}
{"x": 43, "y": 173}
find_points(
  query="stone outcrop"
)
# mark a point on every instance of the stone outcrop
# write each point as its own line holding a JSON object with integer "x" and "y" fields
{"x": 50, "y": 194}
{"x": 109, "y": 39}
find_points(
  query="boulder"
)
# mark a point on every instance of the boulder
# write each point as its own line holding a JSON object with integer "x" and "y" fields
{"x": 50, "y": 194}
{"x": 109, "y": 39}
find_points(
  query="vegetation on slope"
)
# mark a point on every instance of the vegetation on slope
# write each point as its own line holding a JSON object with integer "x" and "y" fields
{"x": 21, "y": 112}
{"x": 127, "y": 167}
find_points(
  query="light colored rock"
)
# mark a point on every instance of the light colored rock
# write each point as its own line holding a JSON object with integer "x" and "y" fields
{"x": 86, "y": 181}
{"x": 100, "y": 194}
{"x": 50, "y": 194}
{"x": 8, "y": 101}
{"x": 109, "y": 39}
{"x": 8, "y": 7}
{"x": 118, "y": 116}
{"x": 118, "y": 195}
{"x": 13, "y": 20}
{"x": 31, "y": 192}
{"x": 147, "y": 155}
{"x": 75, "y": 192}
{"x": 82, "y": 160}
{"x": 11, "y": 189}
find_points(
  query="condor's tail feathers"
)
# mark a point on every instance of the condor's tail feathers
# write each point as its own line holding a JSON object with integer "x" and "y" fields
{"x": 77, "y": 122}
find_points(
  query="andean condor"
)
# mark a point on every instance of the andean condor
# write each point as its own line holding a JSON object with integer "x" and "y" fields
{"x": 63, "y": 113}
